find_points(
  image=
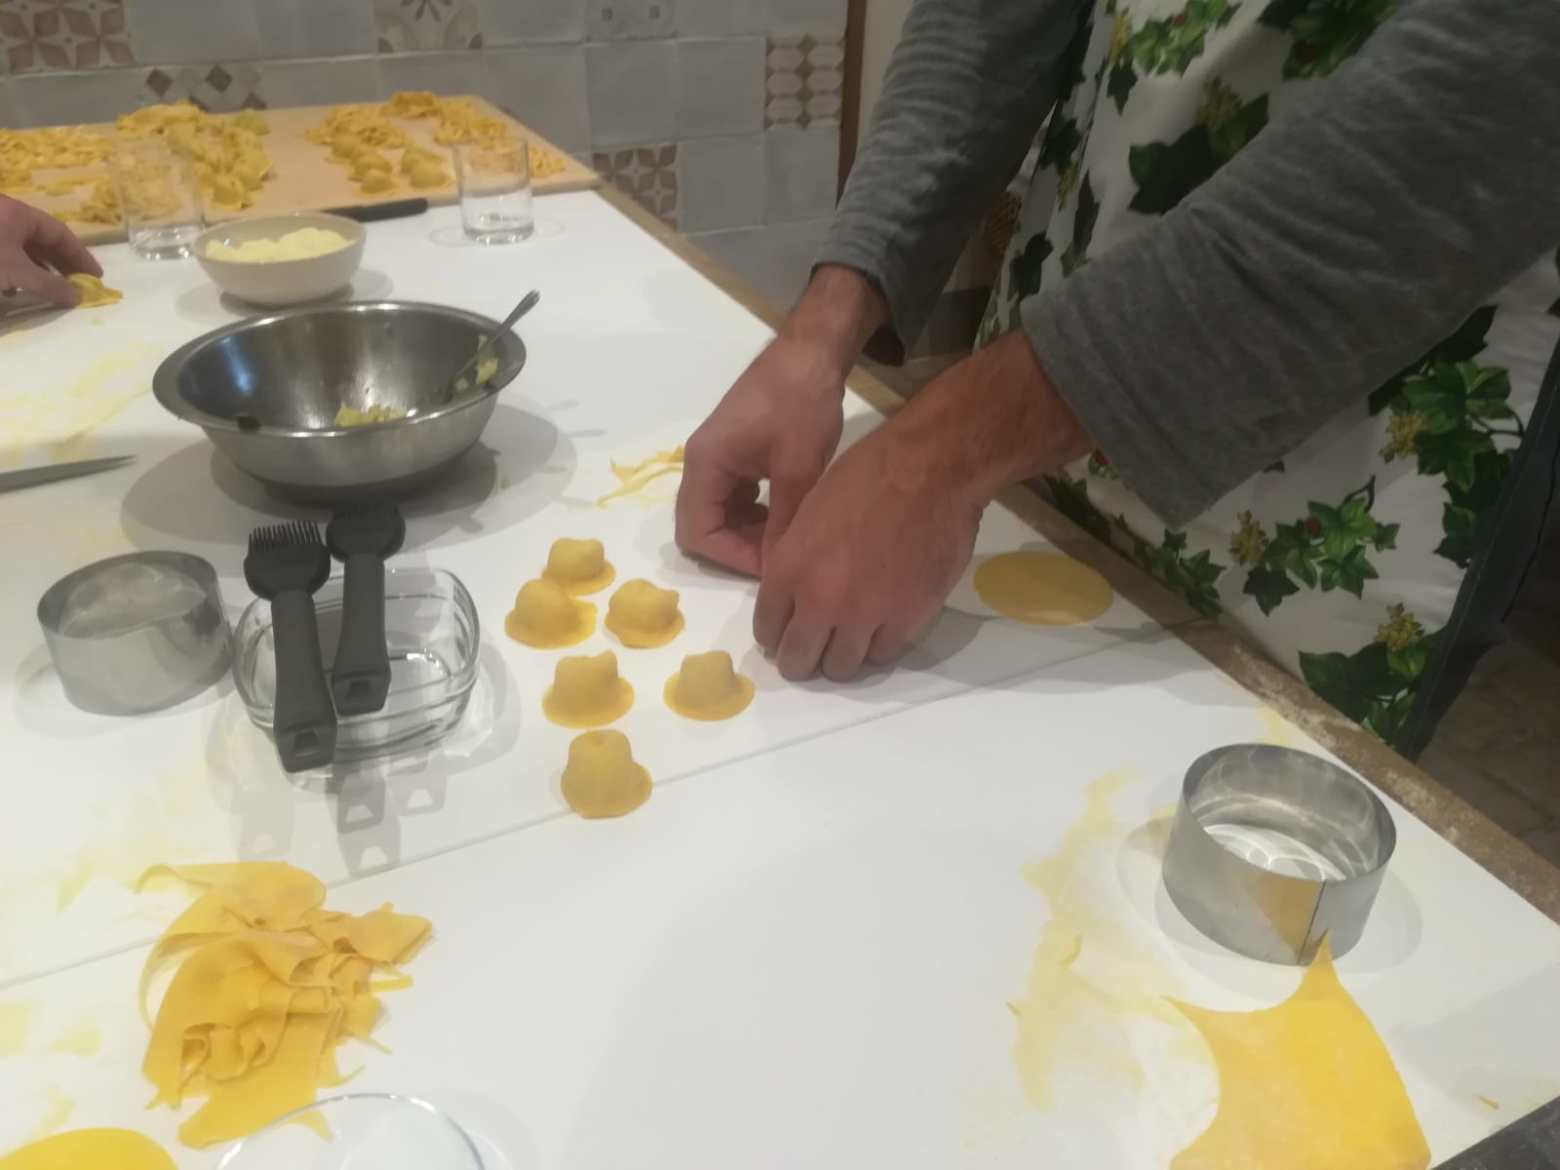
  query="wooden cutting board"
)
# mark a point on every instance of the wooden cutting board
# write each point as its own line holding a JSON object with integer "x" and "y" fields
{"x": 304, "y": 178}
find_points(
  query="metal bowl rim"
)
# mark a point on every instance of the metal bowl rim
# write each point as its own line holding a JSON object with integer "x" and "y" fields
{"x": 165, "y": 382}
{"x": 1200, "y": 767}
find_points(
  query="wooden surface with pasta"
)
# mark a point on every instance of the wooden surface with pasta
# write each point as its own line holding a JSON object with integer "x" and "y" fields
{"x": 304, "y": 177}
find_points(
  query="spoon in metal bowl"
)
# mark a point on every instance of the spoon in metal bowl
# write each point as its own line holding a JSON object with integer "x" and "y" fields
{"x": 458, "y": 383}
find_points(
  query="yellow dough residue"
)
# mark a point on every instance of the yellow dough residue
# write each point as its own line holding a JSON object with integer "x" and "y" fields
{"x": 547, "y": 618}
{"x": 643, "y": 616}
{"x": 578, "y": 566}
{"x": 303, "y": 244}
{"x": 348, "y": 416}
{"x": 1042, "y": 588}
{"x": 90, "y": 1149}
{"x": 1306, "y": 1085}
{"x": 587, "y": 691}
{"x": 270, "y": 984}
{"x": 15, "y": 1024}
{"x": 633, "y": 478}
{"x": 601, "y": 778}
{"x": 708, "y": 688}
{"x": 83, "y": 1040}
{"x": 93, "y": 291}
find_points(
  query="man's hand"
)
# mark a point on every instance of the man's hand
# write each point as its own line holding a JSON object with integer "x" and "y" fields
{"x": 37, "y": 252}
{"x": 780, "y": 422}
{"x": 878, "y": 545}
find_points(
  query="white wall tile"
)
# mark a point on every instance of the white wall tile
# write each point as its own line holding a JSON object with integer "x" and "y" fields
{"x": 803, "y": 172}
{"x": 526, "y": 22}
{"x": 9, "y": 114}
{"x": 95, "y": 95}
{"x": 322, "y": 82}
{"x": 721, "y": 182}
{"x": 440, "y": 72}
{"x": 720, "y": 86}
{"x": 315, "y": 28}
{"x": 721, "y": 18}
{"x": 630, "y": 20}
{"x": 184, "y": 31}
{"x": 776, "y": 260}
{"x": 633, "y": 90}
{"x": 545, "y": 88}
{"x": 811, "y": 16}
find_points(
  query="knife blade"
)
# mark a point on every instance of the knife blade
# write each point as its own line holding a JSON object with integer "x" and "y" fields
{"x": 27, "y": 477}
{"x": 368, "y": 213}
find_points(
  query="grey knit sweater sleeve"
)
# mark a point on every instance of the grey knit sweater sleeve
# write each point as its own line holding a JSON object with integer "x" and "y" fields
{"x": 1361, "y": 226}
{"x": 966, "y": 90}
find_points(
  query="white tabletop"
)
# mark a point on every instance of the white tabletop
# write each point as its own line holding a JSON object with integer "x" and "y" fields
{"x": 801, "y": 950}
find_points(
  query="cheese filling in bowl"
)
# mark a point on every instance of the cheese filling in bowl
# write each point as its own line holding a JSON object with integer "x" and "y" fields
{"x": 277, "y": 260}
{"x": 303, "y": 244}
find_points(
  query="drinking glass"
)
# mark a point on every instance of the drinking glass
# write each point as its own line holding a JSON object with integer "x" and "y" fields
{"x": 357, "y": 1131}
{"x": 158, "y": 193}
{"x": 495, "y": 190}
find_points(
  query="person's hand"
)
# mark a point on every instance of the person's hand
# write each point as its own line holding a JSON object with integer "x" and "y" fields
{"x": 880, "y": 542}
{"x": 37, "y": 253}
{"x": 780, "y": 421}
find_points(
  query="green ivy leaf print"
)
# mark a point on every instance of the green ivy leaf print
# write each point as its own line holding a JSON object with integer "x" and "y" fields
{"x": 1377, "y": 684}
{"x": 1329, "y": 549}
{"x": 1163, "y": 45}
{"x": 1069, "y": 69}
{"x": 1326, "y": 32}
{"x": 1466, "y": 507}
{"x": 1166, "y": 173}
{"x": 1464, "y": 345}
{"x": 1084, "y": 218}
{"x": 1072, "y": 500}
{"x": 1061, "y": 144}
{"x": 1025, "y": 268}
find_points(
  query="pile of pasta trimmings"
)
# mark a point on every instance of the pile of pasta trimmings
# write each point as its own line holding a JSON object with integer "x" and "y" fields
{"x": 268, "y": 985}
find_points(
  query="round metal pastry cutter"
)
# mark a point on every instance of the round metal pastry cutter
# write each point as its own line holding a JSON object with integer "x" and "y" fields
{"x": 1273, "y": 850}
{"x": 136, "y": 633}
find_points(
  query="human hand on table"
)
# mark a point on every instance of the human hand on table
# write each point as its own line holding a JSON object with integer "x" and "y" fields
{"x": 37, "y": 253}
{"x": 881, "y": 540}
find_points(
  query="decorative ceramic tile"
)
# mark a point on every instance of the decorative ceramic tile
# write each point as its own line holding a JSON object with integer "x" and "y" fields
{"x": 315, "y": 28}
{"x": 544, "y": 86}
{"x": 183, "y": 32}
{"x": 630, "y": 20}
{"x": 804, "y": 80}
{"x": 406, "y": 26}
{"x": 529, "y": 22}
{"x": 73, "y": 34}
{"x": 776, "y": 260}
{"x": 648, "y": 173}
{"x": 803, "y": 168}
{"x": 720, "y": 86}
{"x": 721, "y": 183}
{"x": 323, "y": 82}
{"x": 220, "y": 89}
{"x": 633, "y": 92}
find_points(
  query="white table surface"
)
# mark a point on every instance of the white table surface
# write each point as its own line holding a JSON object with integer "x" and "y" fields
{"x": 801, "y": 950}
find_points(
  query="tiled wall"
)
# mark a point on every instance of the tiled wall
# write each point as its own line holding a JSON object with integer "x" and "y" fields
{"x": 721, "y": 116}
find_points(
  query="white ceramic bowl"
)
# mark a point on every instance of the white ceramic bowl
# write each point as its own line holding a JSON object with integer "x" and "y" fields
{"x": 282, "y": 282}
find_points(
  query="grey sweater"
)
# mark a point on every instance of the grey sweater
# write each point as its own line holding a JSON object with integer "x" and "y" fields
{"x": 1353, "y": 233}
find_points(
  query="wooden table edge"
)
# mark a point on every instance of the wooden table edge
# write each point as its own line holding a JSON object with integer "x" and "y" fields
{"x": 1512, "y": 861}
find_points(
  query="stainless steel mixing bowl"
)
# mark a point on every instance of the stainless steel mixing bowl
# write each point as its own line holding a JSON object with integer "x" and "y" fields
{"x": 266, "y": 392}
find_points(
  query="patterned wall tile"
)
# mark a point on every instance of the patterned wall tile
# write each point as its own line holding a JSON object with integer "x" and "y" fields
{"x": 804, "y": 80}
{"x": 406, "y": 26}
{"x": 220, "y": 89}
{"x": 64, "y": 34}
{"x": 630, "y": 20}
{"x": 648, "y": 173}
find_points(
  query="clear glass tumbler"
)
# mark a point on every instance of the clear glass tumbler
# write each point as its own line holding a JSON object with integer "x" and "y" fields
{"x": 159, "y": 195}
{"x": 495, "y": 190}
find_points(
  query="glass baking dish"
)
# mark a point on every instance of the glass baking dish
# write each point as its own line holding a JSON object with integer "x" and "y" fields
{"x": 432, "y": 634}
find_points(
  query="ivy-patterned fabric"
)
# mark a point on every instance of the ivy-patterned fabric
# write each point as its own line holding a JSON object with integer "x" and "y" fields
{"x": 1344, "y": 560}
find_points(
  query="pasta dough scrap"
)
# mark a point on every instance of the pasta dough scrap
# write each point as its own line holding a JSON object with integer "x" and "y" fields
{"x": 633, "y": 478}
{"x": 547, "y": 618}
{"x": 94, "y": 292}
{"x": 272, "y": 983}
{"x": 708, "y": 688}
{"x": 643, "y": 616}
{"x": 579, "y": 567}
{"x": 1042, "y": 588}
{"x": 349, "y": 416}
{"x": 587, "y": 692}
{"x": 601, "y": 778}
{"x": 90, "y": 1149}
{"x": 426, "y": 174}
{"x": 1305, "y": 1085}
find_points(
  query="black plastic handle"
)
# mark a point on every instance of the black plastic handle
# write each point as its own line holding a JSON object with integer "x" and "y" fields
{"x": 360, "y": 678}
{"x": 305, "y": 721}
